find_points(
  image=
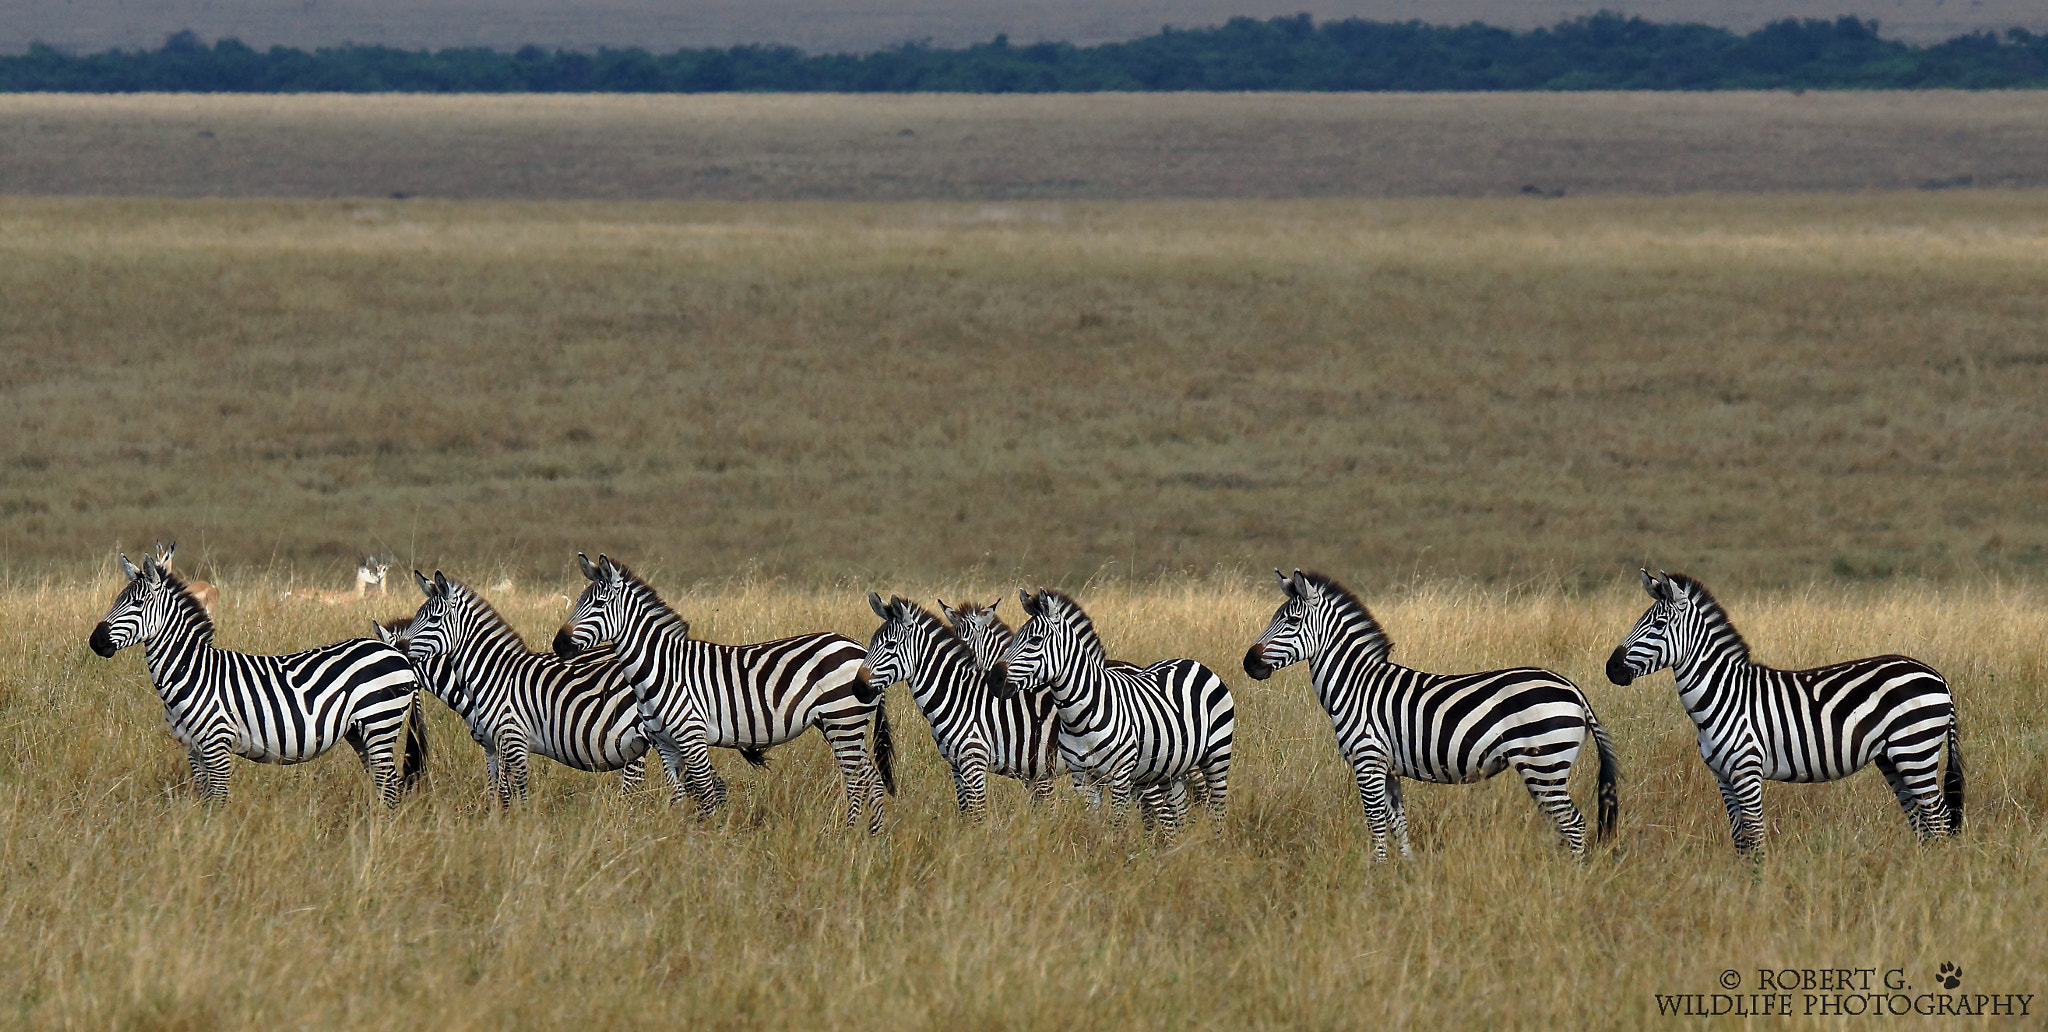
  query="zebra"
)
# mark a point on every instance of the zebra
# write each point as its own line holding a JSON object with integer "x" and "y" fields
{"x": 976, "y": 733}
{"x": 1121, "y": 727}
{"x": 1392, "y": 722}
{"x": 580, "y": 713}
{"x": 987, "y": 636}
{"x": 737, "y": 696}
{"x": 1758, "y": 723}
{"x": 271, "y": 709}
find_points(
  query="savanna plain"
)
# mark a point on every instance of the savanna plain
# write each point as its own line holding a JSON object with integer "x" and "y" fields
{"x": 1482, "y": 414}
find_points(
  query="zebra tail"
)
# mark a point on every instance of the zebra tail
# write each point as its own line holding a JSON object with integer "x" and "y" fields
{"x": 1952, "y": 779}
{"x": 1610, "y": 777}
{"x": 756, "y": 756}
{"x": 414, "y": 765}
{"x": 885, "y": 744}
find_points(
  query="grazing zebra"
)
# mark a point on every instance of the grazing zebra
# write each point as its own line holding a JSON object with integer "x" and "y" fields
{"x": 203, "y": 592}
{"x": 738, "y": 696}
{"x": 1392, "y": 722}
{"x": 1759, "y": 723}
{"x": 1120, "y": 726}
{"x": 580, "y": 713}
{"x": 271, "y": 709}
{"x": 976, "y": 733}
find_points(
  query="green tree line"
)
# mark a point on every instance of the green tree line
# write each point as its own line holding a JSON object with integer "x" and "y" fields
{"x": 1600, "y": 52}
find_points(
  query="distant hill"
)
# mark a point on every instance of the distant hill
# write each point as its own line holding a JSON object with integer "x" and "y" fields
{"x": 835, "y": 26}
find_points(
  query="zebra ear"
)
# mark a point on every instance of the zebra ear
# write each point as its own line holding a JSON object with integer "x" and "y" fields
{"x": 1301, "y": 585}
{"x": 130, "y": 569}
{"x": 875, "y": 603}
{"x": 440, "y": 583}
{"x": 1650, "y": 585}
{"x": 952, "y": 617}
{"x": 583, "y": 562}
{"x": 1670, "y": 586}
{"x": 426, "y": 586}
{"x": 150, "y": 570}
{"x": 1286, "y": 586}
{"x": 610, "y": 569}
{"x": 383, "y": 633}
{"x": 1024, "y": 599}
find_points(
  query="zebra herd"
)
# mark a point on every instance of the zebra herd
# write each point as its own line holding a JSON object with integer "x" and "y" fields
{"x": 624, "y": 676}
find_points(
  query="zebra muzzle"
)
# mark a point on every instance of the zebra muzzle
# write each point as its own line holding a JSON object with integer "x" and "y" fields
{"x": 102, "y": 640}
{"x": 1255, "y": 664}
{"x": 565, "y": 646}
{"x": 1618, "y": 670}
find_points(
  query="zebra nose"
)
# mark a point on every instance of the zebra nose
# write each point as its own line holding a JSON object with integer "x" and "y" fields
{"x": 102, "y": 640}
{"x": 565, "y": 646}
{"x": 1617, "y": 668}
{"x": 997, "y": 681}
{"x": 1255, "y": 664}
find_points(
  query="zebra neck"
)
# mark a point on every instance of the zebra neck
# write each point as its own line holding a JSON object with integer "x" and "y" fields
{"x": 653, "y": 635}
{"x": 1708, "y": 669}
{"x": 943, "y": 675}
{"x": 1076, "y": 693}
{"x": 173, "y": 653}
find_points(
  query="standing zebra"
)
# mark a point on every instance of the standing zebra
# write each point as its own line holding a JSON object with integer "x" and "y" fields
{"x": 271, "y": 709}
{"x": 976, "y": 733}
{"x": 580, "y": 713}
{"x": 1392, "y": 722}
{"x": 1120, "y": 726}
{"x": 738, "y": 696}
{"x": 1757, "y": 723}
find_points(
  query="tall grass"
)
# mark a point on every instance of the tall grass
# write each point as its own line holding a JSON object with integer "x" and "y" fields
{"x": 128, "y": 903}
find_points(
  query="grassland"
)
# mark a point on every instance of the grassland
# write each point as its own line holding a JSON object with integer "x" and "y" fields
{"x": 298, "y": 903}
{"x": 1763, "y": 391}
{"x": 1004, "y": 148}
{"x": 834, "y": 27}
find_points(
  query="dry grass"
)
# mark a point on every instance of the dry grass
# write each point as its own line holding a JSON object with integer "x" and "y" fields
{"x": 1765, "y": 391}
{"x": 129, "y": 904}
{"x": 1099, "y": 147}
{"x": 823, "y": 25}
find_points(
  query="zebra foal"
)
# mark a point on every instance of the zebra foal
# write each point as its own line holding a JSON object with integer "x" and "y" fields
{"x": 271, "y": 709}
{"x": 977, "y": 733}
{"x": 746, "y": 697}
{"x": 1119, "y": 726}
{"x": 1392, "y": 722}
{"x": 1757, "y": 723}
{"x": 580, "y": 713}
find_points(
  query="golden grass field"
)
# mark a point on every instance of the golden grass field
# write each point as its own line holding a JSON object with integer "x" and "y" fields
{"x": 299, "y": 903}
{"x": 1097, "y": 147}
{"x": 833, "y": 26}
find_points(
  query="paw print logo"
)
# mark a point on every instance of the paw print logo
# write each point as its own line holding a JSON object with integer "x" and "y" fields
{"x": 1950, "y": 976}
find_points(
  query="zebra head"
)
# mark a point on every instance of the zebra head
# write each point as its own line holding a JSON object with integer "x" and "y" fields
{"x": 984, "y": 632}
{"x": 140, "y": 611}
{"x": 1300, "y": 629}
{"x": 1055, "y": 635}
{"x": 1668, "y": 631}
{"x": 444, "y": 623}
{"x": 600, "y": 612}
{"x": 896, "y": 646}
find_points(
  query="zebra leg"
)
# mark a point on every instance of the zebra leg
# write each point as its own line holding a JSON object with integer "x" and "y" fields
{"x": 199, "y": 782}
{"x": 671, "y": 765}
{"x": 1151, "y": 805}
{"x": 848, "y": 739}
{"x": 512, "y": 761}
{"x": 1172, "y": 803}
{"x": 215, "y": 757}
{"x": 1903, "y": 793}
{"x": 970, "y": 786}
{"x": 699, "y": 778}
{"x": 633, "y": 774}
{"x": 1041, "y": 793}
{"x": 1546, "y": 778}
{"x": 1090, "y": 789}
{"x": 1215, "y": 777}
{"x": 1743, "y": 794}
{"x": 1914, "y": 780}
{"x": 1397, "y": 813}
{"x": 1372, "y": 792}
{"x": 1119, "y": 796}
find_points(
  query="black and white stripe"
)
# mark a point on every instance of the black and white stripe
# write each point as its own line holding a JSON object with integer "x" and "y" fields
{"x": 271, "y": 709}
{"x": 738, "y": 696}
{"x": 580, "y": 713}
{"x": 977, "y": 733}
{"x": 1757, "y": 723}
{"x": 1392, "y": 722}
{"x": 1120, "y": 727}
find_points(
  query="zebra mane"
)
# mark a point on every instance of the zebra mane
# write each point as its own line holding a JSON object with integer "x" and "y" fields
{"x": 181, "y": 597}
{"x": 1716, "y": 618}
{"x": 967, "y": 609}
{"x": 1352, "y": 611}
{"x": 634, "y": 582}
{"x": 493, "y": 621}
{"x": 1091, "y": 639}
{"x": 905, "y": 610}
